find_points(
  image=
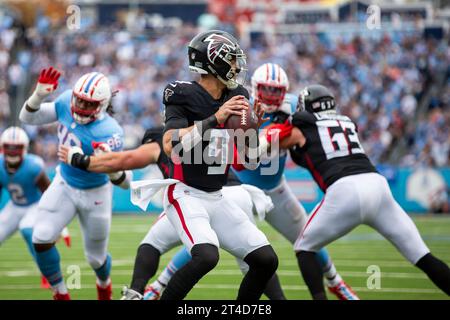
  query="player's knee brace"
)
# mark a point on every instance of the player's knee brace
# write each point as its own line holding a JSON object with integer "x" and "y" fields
{"x": 205, "y": 256}
{"x": 263, "y": 258}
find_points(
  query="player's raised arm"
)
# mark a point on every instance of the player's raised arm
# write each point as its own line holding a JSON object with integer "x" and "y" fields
{"x": 33, "y": 110}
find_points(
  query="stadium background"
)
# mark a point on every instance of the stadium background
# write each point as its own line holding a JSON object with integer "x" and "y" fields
{"x": 391, "y": 75}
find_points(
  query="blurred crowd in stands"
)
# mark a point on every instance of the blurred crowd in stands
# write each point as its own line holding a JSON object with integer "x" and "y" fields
{"x": 379, "y": 82}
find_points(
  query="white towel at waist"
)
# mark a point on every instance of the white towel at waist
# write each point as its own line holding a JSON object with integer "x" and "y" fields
{"x": 262, "y": 203}
{"x": 142, "y": 191}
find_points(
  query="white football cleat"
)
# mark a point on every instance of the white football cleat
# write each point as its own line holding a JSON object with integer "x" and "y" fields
{"x": 154, "y": 291}
{"x": 130, "y": 294}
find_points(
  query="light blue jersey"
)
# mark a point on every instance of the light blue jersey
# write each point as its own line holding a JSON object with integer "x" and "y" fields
{"x": 72, "y": 134}
{"x": 269, "y": 174}
{"x": 21, "y": 185}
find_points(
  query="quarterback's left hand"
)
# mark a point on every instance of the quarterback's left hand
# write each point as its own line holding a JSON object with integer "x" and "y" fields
{"x": 259, "y": 111}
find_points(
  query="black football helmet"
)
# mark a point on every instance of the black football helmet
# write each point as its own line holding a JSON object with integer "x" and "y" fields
{"x": 213, "y": 52}
{"x": 316, "y": 98}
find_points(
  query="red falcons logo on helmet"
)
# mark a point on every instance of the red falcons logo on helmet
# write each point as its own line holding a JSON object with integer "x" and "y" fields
{"x": 219, "y": 46}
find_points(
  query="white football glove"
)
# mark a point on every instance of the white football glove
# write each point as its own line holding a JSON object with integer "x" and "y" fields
{"x": 47, "y": 83}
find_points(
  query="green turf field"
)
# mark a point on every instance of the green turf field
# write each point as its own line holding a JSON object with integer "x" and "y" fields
{"x": 352, "y": 256}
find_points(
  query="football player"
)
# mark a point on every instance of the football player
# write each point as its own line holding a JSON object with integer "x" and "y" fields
{"x": 327, "y": 144}
{"x": 17, "y": 169}
{"x": 270, "y": 87}
{"x": 82, "y": 115}
{"x": 194, "y": 132}
{"x": 248, "y": 198}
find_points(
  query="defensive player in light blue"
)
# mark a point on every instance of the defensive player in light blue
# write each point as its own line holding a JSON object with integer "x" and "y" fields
{"x": 23, "y": 176}
{"x": 83, "y": 122}
{"x": 269, "y": 86}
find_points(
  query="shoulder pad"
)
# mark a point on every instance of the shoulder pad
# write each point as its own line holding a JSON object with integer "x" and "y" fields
{"x": 303, "y": 117}
{"x": 153, "y": 135}
{"x": 175, "y": 92}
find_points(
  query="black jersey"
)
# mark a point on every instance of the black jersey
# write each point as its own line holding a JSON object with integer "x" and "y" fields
{"x": 155, "y": 135}
{"x": 204, "y": 168}
{"x": 332, "y": 148}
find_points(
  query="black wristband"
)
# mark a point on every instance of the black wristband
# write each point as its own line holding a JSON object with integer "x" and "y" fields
{"x": 120, "y": 179}
{"x": 209, "y": 123}
{"x": 80, "y": 161}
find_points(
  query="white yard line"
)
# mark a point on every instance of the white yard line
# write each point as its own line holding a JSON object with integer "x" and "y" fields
{"x": 235, "y": 287}
{"x": 231, "y": 272}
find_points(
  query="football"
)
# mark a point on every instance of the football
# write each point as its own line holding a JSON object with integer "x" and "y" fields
{"x": 247, "y": 120}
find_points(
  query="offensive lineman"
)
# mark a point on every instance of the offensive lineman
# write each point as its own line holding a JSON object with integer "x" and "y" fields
{"x": 269, "y": 86}
{"x": 327, "y": 144}
{"x": 82, "y": 114}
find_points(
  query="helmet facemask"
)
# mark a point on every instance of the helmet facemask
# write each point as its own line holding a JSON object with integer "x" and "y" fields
{"x": 14, "y": 154}
{"x": 271, "y": 96}
{"x": 231, "y": 68}
{"x": 84, "y": 110}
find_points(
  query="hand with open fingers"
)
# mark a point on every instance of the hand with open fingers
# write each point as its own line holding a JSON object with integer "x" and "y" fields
{"x": 47, "y": 82}
{"x": 259, "y": 111}
{"x": 232, "y": 106}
